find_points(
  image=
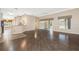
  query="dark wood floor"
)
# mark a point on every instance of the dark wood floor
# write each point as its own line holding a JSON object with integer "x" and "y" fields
{"x": 43, "y": 40}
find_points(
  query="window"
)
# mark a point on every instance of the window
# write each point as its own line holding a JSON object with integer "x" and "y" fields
{"x": 42, "y": 24}
{"x": 46, "y": 23}
{"x": 64, "y": 22}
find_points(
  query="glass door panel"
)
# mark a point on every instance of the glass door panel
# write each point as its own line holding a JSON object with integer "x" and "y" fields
{"x": 46, "y": 24}
{"x": 42, "y": 25}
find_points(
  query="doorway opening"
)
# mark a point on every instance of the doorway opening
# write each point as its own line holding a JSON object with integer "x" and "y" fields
{"x": 5, "y": 25}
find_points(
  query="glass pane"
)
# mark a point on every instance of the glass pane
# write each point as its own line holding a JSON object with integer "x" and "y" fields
{"x": 62, "y": 24}
{"x": 42, "y": 24}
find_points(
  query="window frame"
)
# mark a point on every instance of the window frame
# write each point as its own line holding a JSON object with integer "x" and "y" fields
{"x": 67, "y": 21}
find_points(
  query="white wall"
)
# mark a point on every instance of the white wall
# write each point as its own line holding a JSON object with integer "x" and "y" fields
{"x": 28, "y": 27}
{"x": 30, "y": 23}
{"x": 74, "y": 21}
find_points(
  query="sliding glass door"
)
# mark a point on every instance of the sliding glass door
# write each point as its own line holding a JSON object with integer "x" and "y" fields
{"x": 46, "y": 24}
{"x": 42, "y": 25}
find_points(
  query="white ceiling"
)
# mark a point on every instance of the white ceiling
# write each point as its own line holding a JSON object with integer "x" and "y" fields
{"x": 13, "y": 12}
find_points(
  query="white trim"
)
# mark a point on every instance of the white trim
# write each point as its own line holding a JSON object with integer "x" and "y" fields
{"x": 57, "y": 12}
{"x": 66, "y": 32}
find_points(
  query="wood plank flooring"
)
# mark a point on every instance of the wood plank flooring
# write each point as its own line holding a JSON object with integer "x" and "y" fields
{"x": 42, "y": 40}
